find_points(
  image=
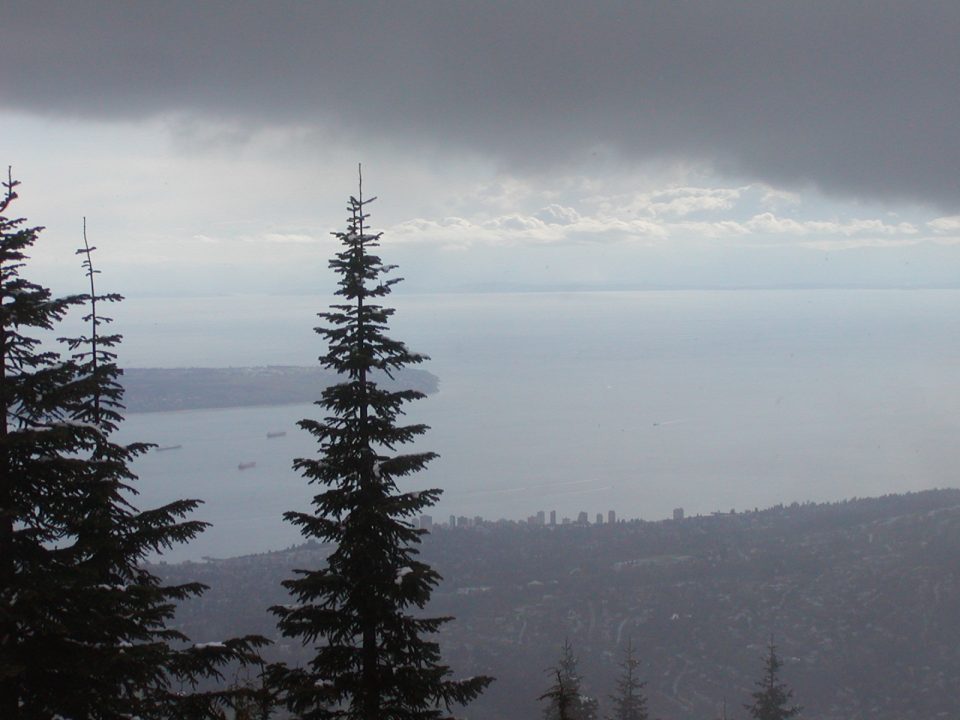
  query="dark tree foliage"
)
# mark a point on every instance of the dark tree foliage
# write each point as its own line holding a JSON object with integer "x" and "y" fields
{"x": 561, "y": 697}
{"x": 37, "y": 480}
{"x": 83, "y": 627}
{"x": 581, "y": 707}
{"x": 361, "y": 611}
{"x": 140, "y": 667}
{"x": 629, "y": 702}
{"x": 259, "y": 698}
{"x": 771, "y": 699}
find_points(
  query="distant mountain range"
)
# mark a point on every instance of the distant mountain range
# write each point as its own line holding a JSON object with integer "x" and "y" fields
{"x": 162, "y": 389}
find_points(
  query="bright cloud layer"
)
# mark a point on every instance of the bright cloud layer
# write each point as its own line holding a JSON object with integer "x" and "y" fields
{"x": 674, "y": 216}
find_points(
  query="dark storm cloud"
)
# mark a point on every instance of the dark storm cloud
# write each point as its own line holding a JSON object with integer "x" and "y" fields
{"x": 860, "y": 98}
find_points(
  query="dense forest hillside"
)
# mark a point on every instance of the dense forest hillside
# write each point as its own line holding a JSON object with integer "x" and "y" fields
{"x": 861, "y": 598}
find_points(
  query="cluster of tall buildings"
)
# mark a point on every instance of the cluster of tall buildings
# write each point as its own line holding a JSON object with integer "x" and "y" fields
{"x": 583, "y": 518}
{"x": 462, "y": 521}
{"x": 426, "y": 521}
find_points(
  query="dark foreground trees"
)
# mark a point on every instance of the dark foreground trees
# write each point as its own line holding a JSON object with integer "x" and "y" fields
{"x": 565, "y": 699}
{"x": 83, "y": 627}
{"x": 374, "y": 659}
{"x": 37, "y": 485}
{"x": 560, "y": 697}
{"x": 629, "y": 702}
{"x": 772, "y": 698}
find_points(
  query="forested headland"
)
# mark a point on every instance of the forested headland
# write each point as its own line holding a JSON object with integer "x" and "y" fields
{"x": 194, "y": 388}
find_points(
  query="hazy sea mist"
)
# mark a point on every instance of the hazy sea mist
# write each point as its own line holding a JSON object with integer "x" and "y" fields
{"x": 633, "y": 401}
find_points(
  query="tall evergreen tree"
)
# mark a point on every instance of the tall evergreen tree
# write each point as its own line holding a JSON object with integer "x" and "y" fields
{"x": 629, "y": 702}
{"x": 82, "y": 628}
{"x": 133, "y": 664}
{"x": 771, "y": 699}
{"x": 361, "y": 611}
{"x": 582, "y": 707}
{"x": 35, "y": 472}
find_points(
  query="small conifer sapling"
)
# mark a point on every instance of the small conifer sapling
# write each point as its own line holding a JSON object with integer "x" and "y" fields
{"x": 772, "y": 698}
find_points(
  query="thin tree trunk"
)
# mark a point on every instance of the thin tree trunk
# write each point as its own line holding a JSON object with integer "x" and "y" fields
{"x": 93, "y": 322}
{"x": 371, "y": 696}
{"x": 9, "y": 700}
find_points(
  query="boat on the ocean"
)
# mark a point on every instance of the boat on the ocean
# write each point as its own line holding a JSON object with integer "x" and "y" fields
{"x": 168, "y": 447}
{"x": 246, "y": 465}
{"x": 278, "y": 433}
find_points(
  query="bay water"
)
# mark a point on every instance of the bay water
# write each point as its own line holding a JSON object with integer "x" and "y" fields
{"x": 637, "y": 402}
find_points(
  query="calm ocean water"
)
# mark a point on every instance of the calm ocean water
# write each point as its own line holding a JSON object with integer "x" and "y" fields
{"x": 637, "y": 402}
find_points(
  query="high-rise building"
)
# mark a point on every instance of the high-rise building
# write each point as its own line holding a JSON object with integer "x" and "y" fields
{"x": 599, "y": 518}
{"x": 611, "y": 517}
{"x": 541, "y": 517}
{"x": 426, "y": 522}
{"x": 582, "y": 518}
{"x": 453, "y": 521}
{"x": 678, "y": 513}
{"x": 553, "y": 517}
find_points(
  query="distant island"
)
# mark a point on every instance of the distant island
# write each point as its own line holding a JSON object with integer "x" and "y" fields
{"x": 164, "y": 389}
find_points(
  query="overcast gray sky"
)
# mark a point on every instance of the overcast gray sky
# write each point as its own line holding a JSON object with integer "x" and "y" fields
{"x": 536, "y": 144}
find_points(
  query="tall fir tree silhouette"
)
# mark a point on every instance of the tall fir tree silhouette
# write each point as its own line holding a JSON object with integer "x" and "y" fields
{"x": 136, "y": 665}
{"x": 373, "y": 656}
{"x": 83, "y": 627}
{"x": 38, "y": 489}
